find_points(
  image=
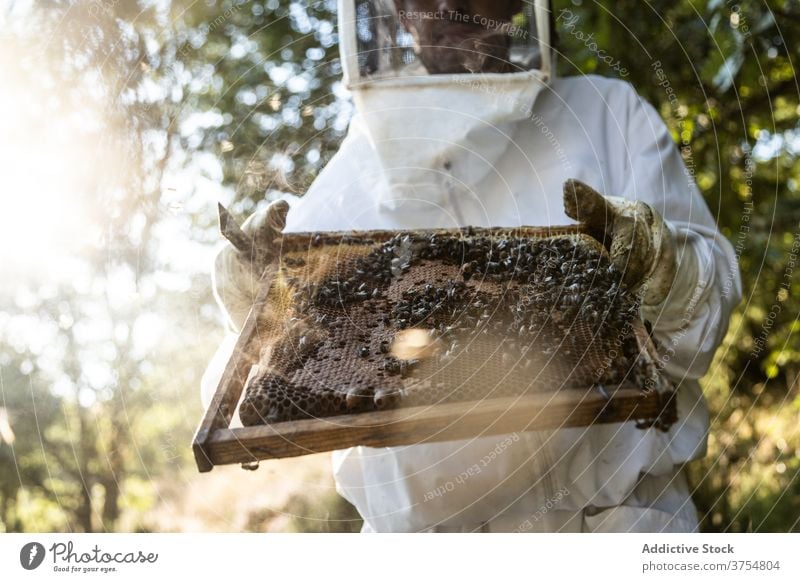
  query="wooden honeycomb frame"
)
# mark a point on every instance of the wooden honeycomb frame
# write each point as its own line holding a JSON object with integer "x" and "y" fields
{"x": 217, "y": 443}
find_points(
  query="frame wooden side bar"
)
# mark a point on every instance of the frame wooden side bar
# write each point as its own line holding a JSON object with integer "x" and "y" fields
{"x": 230, "y": 387}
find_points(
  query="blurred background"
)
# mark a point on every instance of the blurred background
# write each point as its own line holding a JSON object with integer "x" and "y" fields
{"x": 124, "y": 122}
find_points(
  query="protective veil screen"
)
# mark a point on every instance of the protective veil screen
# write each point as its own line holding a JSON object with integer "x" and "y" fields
{"x": 396, "y": 38}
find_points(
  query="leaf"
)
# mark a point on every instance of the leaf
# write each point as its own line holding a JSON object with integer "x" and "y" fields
{"x": 726, "y": 74}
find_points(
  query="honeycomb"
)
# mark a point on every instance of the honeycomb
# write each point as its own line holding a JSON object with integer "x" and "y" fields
{"x": 362, "y": 322}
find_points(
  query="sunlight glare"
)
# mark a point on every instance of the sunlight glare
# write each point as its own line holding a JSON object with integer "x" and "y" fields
{"x": 47, "y": 168}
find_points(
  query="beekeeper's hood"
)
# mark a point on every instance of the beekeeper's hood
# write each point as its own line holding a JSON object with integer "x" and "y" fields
{"x": 438, "y": 92}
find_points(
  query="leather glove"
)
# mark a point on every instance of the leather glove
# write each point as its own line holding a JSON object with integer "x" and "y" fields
{"x": 239, "y": 266}
{"x": 641, "y": 244}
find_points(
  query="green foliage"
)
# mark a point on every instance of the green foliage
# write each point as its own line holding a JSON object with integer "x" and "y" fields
{"x": 266, "y": 81}
{"x": 729, "y": 94}
{"x": 88, "y": 384}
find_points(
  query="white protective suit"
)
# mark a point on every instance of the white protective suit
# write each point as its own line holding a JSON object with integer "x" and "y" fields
{"x": 603, "y": 478}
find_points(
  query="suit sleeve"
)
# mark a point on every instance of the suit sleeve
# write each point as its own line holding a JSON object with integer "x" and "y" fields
{"x": 692, "y": 321}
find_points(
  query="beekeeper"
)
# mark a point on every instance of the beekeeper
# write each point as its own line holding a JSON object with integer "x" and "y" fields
{"x": 461, "y": 121}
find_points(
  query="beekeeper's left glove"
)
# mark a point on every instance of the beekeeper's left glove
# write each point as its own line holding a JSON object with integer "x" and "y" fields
{"x": 641, "y": 244}
{"x": 239, "y": 266}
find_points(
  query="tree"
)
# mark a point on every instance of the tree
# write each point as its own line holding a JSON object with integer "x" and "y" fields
{"x": 95, "y": 352}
